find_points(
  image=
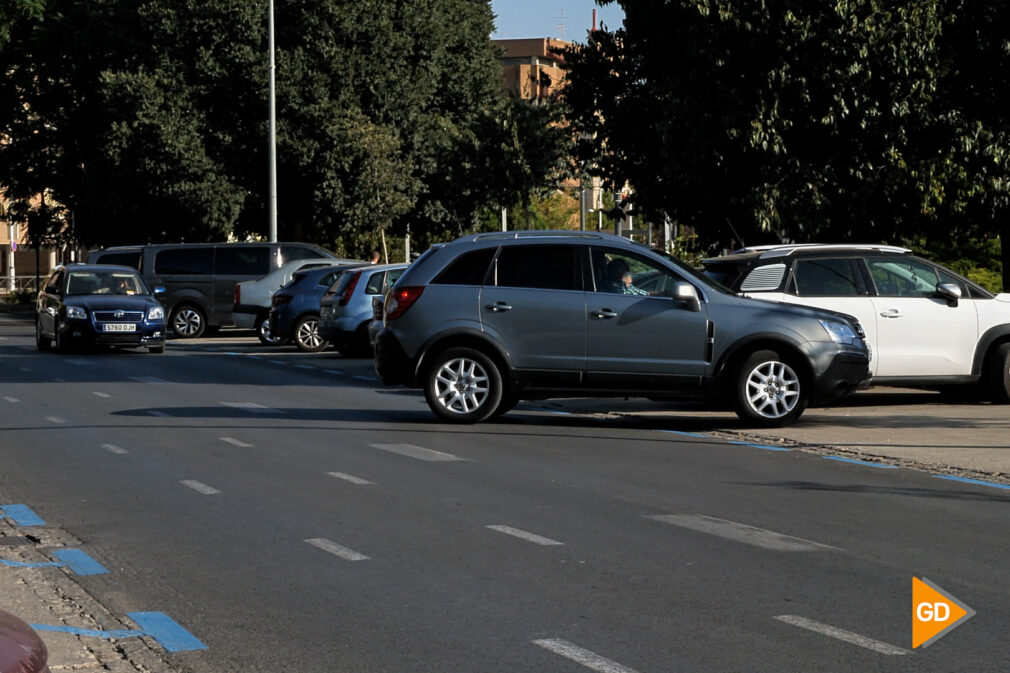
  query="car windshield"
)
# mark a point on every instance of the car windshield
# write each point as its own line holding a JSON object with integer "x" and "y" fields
{"x": 105, "y": 282}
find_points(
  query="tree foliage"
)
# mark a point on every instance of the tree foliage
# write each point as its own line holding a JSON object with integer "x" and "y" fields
{"x": 147, "y": 120}
{"x": 854, "y": 120}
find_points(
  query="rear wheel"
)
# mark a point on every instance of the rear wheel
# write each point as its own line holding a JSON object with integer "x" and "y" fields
{"x": 463, "y": 386}
{"x": 998, "y": 374}
{"x": 188, "y": 322}
{"x": 263, "y": 333}
{"x": 306, "y": 335}
{"x": 769, "y": 393}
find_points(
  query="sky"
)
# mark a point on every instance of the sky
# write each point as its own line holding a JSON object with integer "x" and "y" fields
{"x": 563, "y": 19}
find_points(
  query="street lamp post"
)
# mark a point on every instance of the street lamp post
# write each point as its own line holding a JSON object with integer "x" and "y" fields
{"x": 272, "y": 205}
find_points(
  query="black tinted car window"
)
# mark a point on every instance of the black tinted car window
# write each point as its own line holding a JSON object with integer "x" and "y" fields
{"x": 290, "y": 253}
{"x": 374, "y": 284}
{"x": 467, "y": 269}
{"x": 547, "y": 267}
{"x": 195, "y": 261}
{"x": 825, "y": 278}
{"x": 244, "y": 261}
{"x": 131, "y": 259}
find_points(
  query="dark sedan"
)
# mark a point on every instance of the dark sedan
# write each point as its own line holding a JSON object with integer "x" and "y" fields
{"x": 98, "y": 305}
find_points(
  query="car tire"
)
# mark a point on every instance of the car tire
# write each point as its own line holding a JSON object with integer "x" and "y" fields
{"x": 263, "y": 333}
{"x": 306, "y": 335}
{"x": 507, "y": 404}
{"x": 188, "y": 322}
{"x": 998, "y": 375}
{"x": 463, "y": 385}
{"x": 43, "y": 342}
{"x": 768, "y": 391}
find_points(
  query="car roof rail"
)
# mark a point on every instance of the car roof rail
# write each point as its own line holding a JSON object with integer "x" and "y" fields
{"x": 536, "y": 234}
{"x": 768, "y": 251}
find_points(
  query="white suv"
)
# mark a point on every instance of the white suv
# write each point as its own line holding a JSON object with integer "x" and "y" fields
{"x": 926, "y": 325}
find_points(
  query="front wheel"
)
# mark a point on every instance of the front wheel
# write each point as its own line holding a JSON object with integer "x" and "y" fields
{"x": 307, "y": 335}
{"x": 998, "y": 375}
{"x": 463, "y": 386}
{"x": 188, "y": 322}
{"x": 768, "y": 391}
{"x": 43, "y": 342}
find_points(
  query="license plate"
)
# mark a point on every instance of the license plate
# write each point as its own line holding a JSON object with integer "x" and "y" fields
{"x": 120, "y": 327}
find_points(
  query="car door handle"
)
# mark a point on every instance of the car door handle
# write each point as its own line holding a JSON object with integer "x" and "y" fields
{"x": 891, "y": 313}
{"x": 604, "y": 314}
{"x": 498, "y": 307}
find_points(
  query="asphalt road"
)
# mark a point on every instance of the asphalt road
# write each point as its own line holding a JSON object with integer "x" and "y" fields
{"x": 294, "y": 516}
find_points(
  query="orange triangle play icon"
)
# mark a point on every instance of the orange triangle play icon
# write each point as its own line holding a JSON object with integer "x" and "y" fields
{"x": 935, "y": 613}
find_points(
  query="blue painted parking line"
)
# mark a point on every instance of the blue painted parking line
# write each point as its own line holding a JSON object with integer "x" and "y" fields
{"x": 867, "y": 463}
{"x": 79, "y": 562}
{"x": 22, "y": 515}
{"x": 157, "y": 625}
{"x": 684, "y": 434}
{"x": 74, "y": 559}
{"x": 88, "y": 633}
{"x": 766, "y": 447}
{"x": 977, "y": 482}
{"x": 166, "y": 631}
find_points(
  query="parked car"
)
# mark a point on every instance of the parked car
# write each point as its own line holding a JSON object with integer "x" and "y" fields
{"x": 294, "y": 311}
{"x": 200, "y": 278}
{"x": 489, "y": 319}
{"x": 375, "y": 324}
{"x": 346, "y": 308}
{"x": 926, "y": 325}
{"x": 99, "y": 305}
{"x": 252, "y": 297}
{"x": 21, "y": 648}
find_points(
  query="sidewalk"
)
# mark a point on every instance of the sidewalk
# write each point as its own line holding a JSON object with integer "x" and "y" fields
{"x": 898, "y": 426}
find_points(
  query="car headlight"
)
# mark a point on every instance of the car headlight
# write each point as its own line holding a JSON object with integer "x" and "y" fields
{"x": 156, "y": 313}
{"x": 839, "y": 332}
{"x": 76, "y": 312}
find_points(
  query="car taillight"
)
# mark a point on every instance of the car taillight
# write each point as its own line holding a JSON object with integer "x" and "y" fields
{"x": 279, "y": 299}
{"x": 238, "y": 295}
{"x": 402, "y": 298}
{"x": 345, "y": 296}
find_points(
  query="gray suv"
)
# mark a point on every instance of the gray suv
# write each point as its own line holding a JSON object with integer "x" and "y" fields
{"x": 489, "y": 319}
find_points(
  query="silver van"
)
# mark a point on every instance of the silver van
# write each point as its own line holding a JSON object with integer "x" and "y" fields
{"x": 199, "y": 278}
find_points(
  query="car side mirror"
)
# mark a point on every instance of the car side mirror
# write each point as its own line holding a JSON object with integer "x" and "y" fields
{"x": 687, "y": 293}
{"x": 159, "y": 290}
{"x": 949, "y": 291}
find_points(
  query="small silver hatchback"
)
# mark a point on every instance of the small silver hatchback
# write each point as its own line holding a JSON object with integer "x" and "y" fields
{"x": 346, "y": 308}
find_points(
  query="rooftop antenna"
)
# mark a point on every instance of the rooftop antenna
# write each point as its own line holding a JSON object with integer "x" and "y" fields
{"x": 561, "y": 26}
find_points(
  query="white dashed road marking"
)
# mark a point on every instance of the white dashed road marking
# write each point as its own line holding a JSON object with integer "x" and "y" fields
{"x": 336, "y": 549}
{"x": 529, "y": 537}
{"x": 251, "y": 407}
{"x": 841, "y": 634}
{"x": 588, "y": 659}
{"x": 12, "y": 400}
{"x": 236, "y": 442}
{"x": 739, "y": 532}
{"x": 350, "y": 478}
{"x": 416, "y": 452}
{"x": 55, "y": 419}
{"x": 112, "y": 448}
{"x": 200, "y": 487}
{"x": 102, "y": 395}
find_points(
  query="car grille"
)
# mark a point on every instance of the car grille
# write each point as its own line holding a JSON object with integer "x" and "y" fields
{"x": 127, "y": 316}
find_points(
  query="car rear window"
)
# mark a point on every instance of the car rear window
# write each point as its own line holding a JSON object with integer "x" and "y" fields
{"x": 547, "y": 267}
{"x": 825, "y": 278}
{"x": 243, "y": 261}
{"x": 192, "y": 261}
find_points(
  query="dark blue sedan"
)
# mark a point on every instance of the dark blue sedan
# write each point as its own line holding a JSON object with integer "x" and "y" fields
{"x": 294, "y": 309}
{"x": 98, "y": 305}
